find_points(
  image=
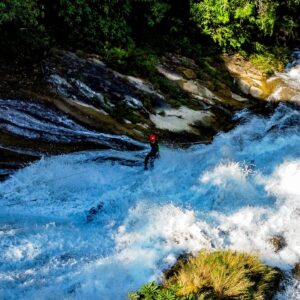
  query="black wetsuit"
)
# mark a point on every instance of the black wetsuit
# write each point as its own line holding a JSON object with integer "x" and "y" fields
{"x": 152, "y": 155}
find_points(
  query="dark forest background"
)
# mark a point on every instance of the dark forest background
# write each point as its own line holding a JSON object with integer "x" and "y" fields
{"x": 115, "y": 28}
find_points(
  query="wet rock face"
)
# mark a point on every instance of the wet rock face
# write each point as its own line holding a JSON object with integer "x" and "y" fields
{"x": 278, "y": 243}
{"x": 100, "y": 97}
{"x": 83, "y": 80}
{"x": 296, "y": 271}
{"x": 90, "y": 81}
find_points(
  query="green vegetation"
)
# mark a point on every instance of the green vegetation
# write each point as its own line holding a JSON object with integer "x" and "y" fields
{"x": 269, "y": 61}
{"x": 234, "y": 23}
{"x": 113, "y": 27}
{"x": 215, "y": 275}
{"x": 21, "y": 27}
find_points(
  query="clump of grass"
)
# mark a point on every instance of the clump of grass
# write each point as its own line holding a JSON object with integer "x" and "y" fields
{"x": 223, "y": 274}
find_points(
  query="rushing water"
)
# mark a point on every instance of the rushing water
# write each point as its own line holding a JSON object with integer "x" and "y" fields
{"x": 237, "y": 192}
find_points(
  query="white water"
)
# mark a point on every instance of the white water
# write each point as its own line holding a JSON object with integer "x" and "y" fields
{"x": 237, "y": 192}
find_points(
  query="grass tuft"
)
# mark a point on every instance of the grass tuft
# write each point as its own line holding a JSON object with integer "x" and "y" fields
{"x": 222, "y": 274}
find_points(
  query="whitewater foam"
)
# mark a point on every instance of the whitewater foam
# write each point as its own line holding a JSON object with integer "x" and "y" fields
{"x": 235, "y": 193}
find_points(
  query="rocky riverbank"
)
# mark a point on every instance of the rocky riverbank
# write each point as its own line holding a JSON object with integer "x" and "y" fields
{"x": 70, "y": 92}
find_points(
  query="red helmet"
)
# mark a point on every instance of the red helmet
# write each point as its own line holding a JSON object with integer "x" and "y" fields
{"x": 152, "y": 137}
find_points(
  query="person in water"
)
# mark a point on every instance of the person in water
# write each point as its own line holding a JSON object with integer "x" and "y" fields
{"x": 153, "y": 154}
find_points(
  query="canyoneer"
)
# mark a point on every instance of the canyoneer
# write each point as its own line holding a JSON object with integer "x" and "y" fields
{"x": 153, "y": 154}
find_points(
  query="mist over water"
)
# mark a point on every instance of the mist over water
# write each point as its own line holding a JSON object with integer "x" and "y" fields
{"x": 237, "y": 192}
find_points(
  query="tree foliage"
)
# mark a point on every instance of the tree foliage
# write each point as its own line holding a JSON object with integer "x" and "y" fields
{"x": 94, "y": 25}
{"x": 24, "y": 13}
{"x": 232, "y": 23}
{"x": 21, "y": 26}
{"x": 238, "y": 23}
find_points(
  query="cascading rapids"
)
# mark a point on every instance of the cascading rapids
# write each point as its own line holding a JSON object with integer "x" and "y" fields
{"x": 237, "y": 192}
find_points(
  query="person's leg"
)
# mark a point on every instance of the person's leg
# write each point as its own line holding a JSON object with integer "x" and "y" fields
{"x": 146, "y": 161}
{"x": 151, "y": 162}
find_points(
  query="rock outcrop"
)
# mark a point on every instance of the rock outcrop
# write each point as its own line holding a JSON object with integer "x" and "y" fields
{"x": 296, "y": 271}
{"x": 278, "y": 243}
{"x": 249, "y": 79}
{"x": 184, "y": 71}
{"x": 125, "y": 104}
{"x": 255, "y": 83}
